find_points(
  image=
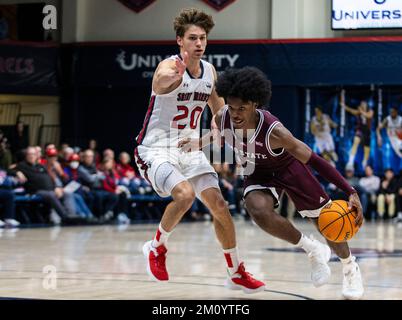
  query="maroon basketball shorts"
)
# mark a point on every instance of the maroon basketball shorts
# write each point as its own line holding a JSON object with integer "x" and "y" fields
{"x": 299, "y": 183}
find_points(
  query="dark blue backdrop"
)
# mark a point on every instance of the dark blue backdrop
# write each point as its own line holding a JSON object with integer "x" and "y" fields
{"x": 105, "y": 87}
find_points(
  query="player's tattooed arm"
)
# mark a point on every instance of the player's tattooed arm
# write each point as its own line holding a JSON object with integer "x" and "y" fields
{"x": 169, "y": 74}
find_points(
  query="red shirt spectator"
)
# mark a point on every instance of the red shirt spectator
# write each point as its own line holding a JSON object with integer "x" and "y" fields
{"x": 111, "y": 176}
{"x": 124, "y": 169}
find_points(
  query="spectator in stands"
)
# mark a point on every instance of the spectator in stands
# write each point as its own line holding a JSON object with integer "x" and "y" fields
{"x": 40, "y": 159}
{"x": 109, "y": 184}
{"x": 129, "y": 178}
{"x": 92, "y": 145}
{"x": 76, "y": 172}
{"x": 20, "y": 138}
{"x": 6, "y": 158}
{"x": 72, "y": 202}
{"x": 123, "y": 168}
{"x": 386, "y": 194}
{"x": 50, "y": 145}
{"x": 80, "y": 192}
{"x": 66, "y": 153}
{"x": 370, "y": 185}
{"x": 71, "y": 171}
{"x": 89, "y": 175}
{"x": 7, "y": 197}
{"x": 54, "y": 168}
{"x": 39, "y": 182}
{"x": 108, "y": 154}
{"x": 104, "y": 201}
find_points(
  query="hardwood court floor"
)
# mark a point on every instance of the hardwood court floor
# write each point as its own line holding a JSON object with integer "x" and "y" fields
{"x": 106, "y": 262}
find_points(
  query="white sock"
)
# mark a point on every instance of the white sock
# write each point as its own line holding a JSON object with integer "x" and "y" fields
{"x": 306, "y": 244}
{"x": 347, "y": 260}
{"x": 161, "y": 237}
{"x": 232, "y": 259}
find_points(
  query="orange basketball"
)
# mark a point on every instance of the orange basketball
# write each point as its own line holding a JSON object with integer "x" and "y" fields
{"x": 336, "y": 222}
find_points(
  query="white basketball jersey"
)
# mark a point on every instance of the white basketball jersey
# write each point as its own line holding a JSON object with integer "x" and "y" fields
{"x": 322, "y": 125}
{"x": 393, "y": 125}
{"x": 177, "y": 114}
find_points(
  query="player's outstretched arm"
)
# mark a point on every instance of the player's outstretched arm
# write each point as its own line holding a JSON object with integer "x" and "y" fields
{"x": 188, "y": 145}
{"x": 169, "y": 74}
{"x": 368, "y": 114}
{"x": 349, "y": 109}
{"x": 332, "y": 123}
{"x": 283, "y": 138}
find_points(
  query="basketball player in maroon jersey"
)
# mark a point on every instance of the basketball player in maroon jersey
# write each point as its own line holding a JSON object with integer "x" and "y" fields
{"x": 182, "y": 86}
{"x": 281, "y": 163}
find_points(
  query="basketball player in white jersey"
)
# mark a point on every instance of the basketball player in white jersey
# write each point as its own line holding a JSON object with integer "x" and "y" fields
{"x": 181, "y": 88}
{"x": 320, "y": 126}
{"x": 393, "y": 125}
{"x": 364, "y": 119}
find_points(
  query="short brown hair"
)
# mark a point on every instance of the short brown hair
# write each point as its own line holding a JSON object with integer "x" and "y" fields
{"x": 192, "y": 16}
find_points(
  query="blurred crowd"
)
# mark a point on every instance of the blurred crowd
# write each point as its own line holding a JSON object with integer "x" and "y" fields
{"x": 75, "y": 184}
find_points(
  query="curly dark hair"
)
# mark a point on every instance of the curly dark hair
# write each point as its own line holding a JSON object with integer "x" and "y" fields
{"x": 248, "y": 84}
{"x": 192, "y": 16}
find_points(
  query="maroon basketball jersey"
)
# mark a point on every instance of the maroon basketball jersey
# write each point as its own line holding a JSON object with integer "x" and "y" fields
{"x": 256, "y": 149}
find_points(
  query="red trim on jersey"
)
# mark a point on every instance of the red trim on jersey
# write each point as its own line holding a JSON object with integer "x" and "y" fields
{"x": 141, "y": 164}
{"x": 146, "y": 121}
{"x": 228, "y": 260}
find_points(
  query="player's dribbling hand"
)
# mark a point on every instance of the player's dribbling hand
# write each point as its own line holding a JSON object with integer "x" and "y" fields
{"x": 354, "y": 201}
{"x": 181, "y": 64}
{"x": 189, "y": 145}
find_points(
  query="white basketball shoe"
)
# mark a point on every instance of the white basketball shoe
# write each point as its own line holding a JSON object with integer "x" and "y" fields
{"x": 319, "y": 257}
{"x": 352, "y": 281}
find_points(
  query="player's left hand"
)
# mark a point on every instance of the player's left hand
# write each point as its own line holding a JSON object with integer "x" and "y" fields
{"x": 190, "y": 145}
{"x": 354, "y": 201}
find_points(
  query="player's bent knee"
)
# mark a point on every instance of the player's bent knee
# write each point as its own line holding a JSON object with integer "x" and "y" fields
{"x": 184, "y": 194}
{"x": 214, "y": 200}
{"x": 219, "y": 206}
{"x": 261, "y": 214}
